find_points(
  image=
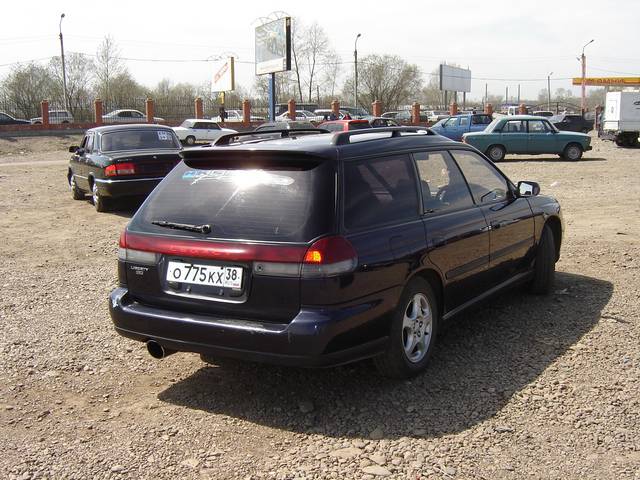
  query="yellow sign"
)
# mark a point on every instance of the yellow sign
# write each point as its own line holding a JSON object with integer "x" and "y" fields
{"x": 607, "y": 81}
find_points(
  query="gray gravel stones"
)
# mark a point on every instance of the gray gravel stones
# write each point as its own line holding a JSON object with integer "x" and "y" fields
{"x": 522, "y": 387}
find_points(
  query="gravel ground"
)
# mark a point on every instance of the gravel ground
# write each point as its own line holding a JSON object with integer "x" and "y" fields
{"x": 522, "y": 387}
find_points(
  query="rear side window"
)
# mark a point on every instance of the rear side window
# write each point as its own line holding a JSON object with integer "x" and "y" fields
{"x": 486, "y": 184}
{"x": 443, "y": 186}
{"x": 379, "y": 191}
{"x": 292, "y": 201}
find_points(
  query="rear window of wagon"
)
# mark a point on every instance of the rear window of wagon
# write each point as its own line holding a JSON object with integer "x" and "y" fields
{"x": 280, "y": 202}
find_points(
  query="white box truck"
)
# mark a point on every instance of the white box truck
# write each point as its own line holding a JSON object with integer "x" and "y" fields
{"x": 621, "y": 121}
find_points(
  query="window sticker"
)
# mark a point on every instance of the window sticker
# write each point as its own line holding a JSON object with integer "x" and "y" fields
{"x": 165, "y": 136}
{"x": 242, "y": 178}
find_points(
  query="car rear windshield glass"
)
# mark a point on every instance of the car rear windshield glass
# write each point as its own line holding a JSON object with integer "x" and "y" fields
{"x": 138, "y": 140}
{"x": 292, "y": 201}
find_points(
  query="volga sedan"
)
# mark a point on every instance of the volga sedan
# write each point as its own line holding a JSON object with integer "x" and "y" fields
{"x": 121, "y": 161}
{"x": 526, "y": 134}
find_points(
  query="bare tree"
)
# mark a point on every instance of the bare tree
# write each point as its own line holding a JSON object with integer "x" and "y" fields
{"x": 26, "y": 86}
{"x": 387, "y": 78}
{"x": 108, "y": 67}
{"x": 79, "y": 70}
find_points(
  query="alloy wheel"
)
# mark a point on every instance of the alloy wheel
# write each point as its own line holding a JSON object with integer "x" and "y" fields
{"x": 417, "y": 326}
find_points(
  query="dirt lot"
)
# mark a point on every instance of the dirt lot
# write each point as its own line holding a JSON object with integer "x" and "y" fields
{"x": 524, "y": 387}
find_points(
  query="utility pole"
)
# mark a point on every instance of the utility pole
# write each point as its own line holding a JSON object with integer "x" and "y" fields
{"x": 549, "y": 91}
{"x": 64, "y": 71}
{"x": 506, "y": 96}
{"x": 583, "y": 59}
{"x": 486, "y": 94}
{"x": 355, "y": 59}
{"x": 518, "y": 95}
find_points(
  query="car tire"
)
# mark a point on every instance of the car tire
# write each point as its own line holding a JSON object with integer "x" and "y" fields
{"x": 190, "y": 140}
{"x": 544, "y": 268}
{"x": 496, "y": 153}
{"x": 412, "y": 336}
{"x": 76, "y": 193}
{"x": 572, "y": 152}
{"x": 99, "y": 202}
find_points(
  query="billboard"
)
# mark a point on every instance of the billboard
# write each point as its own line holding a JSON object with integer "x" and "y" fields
{"x": 455, "y": 79}
{"x": 223, "y": 76}
{"x": 273, "y": 46}
{"x": 607, "y": 81}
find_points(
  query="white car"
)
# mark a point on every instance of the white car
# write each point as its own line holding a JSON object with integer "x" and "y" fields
{"x": 301, "y": 115}
{"x": 195, "y": 130}
{"x": 237, "y": 116}
{"x": 128, "y": 116}
{"x": 56, "y": 116}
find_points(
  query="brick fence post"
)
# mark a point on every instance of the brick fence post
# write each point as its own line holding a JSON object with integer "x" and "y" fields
{"x": 488, "y": 109}
{"x": 376, "y": 108}
{"x": 291, "y": 109}
{"x": 150, "y": 109}
{"x": 198, "y": 107}
{"x": 97, "y": 110}
{"x": 453, "y": 108}
{"x": 522, "y": 109}
{"x": 335, "y": 108}
{"x": 246, "y": 112}
{"x": 44, "y": 111}
{"x": 415, "y": 112}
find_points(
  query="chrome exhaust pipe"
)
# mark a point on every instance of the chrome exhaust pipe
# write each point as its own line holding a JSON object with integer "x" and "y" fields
{"x": 158, "y": 351}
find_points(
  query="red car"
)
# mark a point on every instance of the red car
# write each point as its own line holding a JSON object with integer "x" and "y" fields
{"x": 344, "y": 125}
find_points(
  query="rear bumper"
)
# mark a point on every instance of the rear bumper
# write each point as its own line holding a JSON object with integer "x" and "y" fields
{"x": 126, "y": 187}
{"x": 307, "y": 341}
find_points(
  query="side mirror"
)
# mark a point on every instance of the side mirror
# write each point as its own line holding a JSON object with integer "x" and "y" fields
{"x": 73, "y": 148}
{"x": 528, "y": 189}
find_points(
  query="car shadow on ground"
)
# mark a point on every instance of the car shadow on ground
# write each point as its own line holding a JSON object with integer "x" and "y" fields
{"x": 124, "y": 207}
{"x": 514, "y": 159}
{"x": 482, "y": 359}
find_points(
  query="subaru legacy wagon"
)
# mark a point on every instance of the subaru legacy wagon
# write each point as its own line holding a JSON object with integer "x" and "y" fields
{"x": 318, "y": 249}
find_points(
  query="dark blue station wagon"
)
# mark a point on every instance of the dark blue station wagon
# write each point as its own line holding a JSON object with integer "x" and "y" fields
{"x": 316, "y": 249}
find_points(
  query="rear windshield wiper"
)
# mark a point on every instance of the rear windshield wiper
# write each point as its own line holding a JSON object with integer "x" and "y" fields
{"x": 183, "y": 226}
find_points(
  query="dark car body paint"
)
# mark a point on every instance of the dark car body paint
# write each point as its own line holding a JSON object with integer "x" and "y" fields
{"x": 347, "y": 317}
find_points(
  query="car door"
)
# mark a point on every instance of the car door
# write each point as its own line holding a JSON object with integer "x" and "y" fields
{"x": 213, "y": 131}
{"x": 450, "y": 127}
{"x": 510, "y": 218}
{"x": 541, "y": 138}
{"x": 514, "y": 136}
{"x": 456, "y": 230}
{"x": 381, "y": 218}
{"x": 79, "y": 161}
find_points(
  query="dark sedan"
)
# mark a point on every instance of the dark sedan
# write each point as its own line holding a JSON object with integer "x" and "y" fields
{"x": 121, "y": 161}
{"x": 6, "y": 119}
{"x": 572, "y": 122}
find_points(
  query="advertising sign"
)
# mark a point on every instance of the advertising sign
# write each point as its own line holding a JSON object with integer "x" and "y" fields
{"x": 455, "y": 79}
{"x": 223, "y": 76}
{"x": 608, "y": 81}
{"x": 273, "y": 46}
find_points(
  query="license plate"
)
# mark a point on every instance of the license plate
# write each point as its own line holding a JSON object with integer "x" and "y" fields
{"x": 214, "y": 276}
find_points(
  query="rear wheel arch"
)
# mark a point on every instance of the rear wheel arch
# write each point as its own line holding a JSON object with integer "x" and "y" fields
{"x": 432, "y": 277}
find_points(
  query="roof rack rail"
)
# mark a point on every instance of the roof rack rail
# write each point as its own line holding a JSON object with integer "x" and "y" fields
{"x": 344, "y": 138}
{"x": 283, "y": 133}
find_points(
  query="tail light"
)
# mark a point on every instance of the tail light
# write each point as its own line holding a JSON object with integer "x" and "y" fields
{"x": 126, "y": 254}
{"x": 117, "y": 169}
{"x": 328, "y": 256}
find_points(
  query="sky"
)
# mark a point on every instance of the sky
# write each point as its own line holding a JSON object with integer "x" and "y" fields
{"x": 504, "y": 43}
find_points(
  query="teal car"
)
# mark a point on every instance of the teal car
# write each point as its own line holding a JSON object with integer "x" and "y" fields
{"x": 526, "y": 134}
